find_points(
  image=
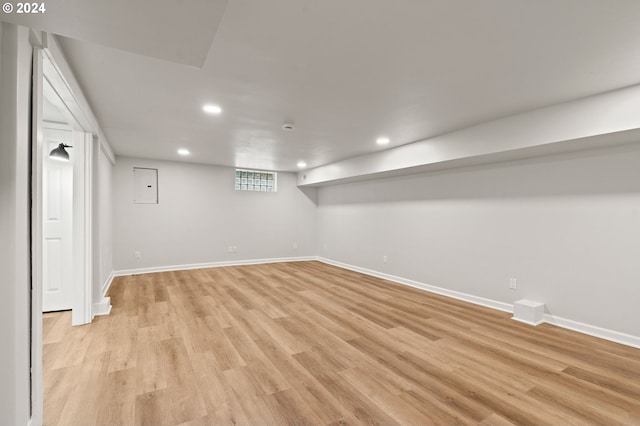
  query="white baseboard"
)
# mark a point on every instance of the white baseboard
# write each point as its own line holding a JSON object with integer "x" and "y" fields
{"x": 506, "y": 307}
{"x": 154, "y": 269}
{"x": 602, "y": 333}
{"x": 101, "y": 308}
{"x": 592, "y": 330}
{"x": 104, "y": 306}
{"x": 107, "y": 284}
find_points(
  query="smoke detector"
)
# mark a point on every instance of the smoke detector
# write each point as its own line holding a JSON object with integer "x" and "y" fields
{"x": 288, "y": 126}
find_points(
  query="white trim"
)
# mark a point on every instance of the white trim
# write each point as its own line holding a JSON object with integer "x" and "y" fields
{"x": 82, "y": 227}
{"x": 88, "y": 225}
{"x": 37, "y": 386}
{"x": 103, "y": 307}
{"x": 494, "y": 304}
{"x": 153, "y": 269}
{"x": 56, "y": 126}
{"x": 592, "y": 330}
{"x": 57, "y": 82}
{"x": 107, "y": 284}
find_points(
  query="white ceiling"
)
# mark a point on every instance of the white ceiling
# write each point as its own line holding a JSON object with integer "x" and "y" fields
{"x": 178, "y": 31}
{"x": 346, "y": 72}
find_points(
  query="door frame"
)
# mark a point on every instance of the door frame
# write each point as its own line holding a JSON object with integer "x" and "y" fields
{"x": 82, "y": 228}
{"x": 37, "y": 388}
{"x": 49, "y": 63}
{"x": 82, "y": 184}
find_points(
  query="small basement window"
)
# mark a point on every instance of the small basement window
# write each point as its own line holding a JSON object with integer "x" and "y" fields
{"x": 255, "y": 180}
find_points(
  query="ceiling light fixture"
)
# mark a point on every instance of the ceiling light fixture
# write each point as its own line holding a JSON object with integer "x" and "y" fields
{"x": 212, "y": 109}
{"x": 183, "y": 151}
{"x": 60, "y": 153}
{"x": 302, "y": 164}
{"x": 383, "y": 140}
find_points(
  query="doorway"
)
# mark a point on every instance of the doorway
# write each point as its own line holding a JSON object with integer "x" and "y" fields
{"x": 57, "y": 206}
{"x": 61, "y": 199}
{"x": 63, "y": 195}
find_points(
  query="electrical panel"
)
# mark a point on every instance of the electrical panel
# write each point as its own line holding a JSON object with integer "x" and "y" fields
{"x": 145, "y": 185}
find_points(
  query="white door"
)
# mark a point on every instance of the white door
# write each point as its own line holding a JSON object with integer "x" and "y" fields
{"x": 57, "y": 206}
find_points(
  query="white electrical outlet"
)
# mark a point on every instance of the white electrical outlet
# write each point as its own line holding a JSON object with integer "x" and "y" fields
{"x": 230, "y": 249}
{"x": 384, "y": 259}
{"x": 137, "y": 255}
{"x": 295, "y": 246}
{"x": 513, "y": 283}
{"x": 235, "y": 249}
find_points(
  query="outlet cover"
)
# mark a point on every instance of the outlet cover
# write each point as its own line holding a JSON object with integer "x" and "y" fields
{"x": 513, "y": 283}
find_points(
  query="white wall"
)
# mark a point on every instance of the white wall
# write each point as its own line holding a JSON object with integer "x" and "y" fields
{"x": 15, "y": 75}
{"x": 567, "y": 227}
{"x": 104, "y": 217}
{"x": 200, "y": 214}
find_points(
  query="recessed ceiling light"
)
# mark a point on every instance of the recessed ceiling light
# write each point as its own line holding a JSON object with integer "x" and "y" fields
{"x": 183, "y": 151}
{"x": 212, "y": 109}
{"x": 382, "y": 140}
{"x": 302, "y": 164}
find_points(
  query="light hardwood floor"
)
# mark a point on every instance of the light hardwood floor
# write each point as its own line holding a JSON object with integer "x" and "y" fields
{"x": 308, "y": 343}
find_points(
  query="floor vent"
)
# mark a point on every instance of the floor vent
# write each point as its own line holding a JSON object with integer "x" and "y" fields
{"x": 528, "y": 312}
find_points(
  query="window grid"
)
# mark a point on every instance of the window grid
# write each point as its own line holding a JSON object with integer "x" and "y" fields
{"x": 255, "y": 180}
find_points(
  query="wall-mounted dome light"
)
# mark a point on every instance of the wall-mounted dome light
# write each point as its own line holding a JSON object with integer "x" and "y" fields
{"x": 60, "y": 153}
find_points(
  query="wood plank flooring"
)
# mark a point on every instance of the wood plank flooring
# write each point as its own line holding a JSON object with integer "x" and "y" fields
{"x": 308, "y": 343}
